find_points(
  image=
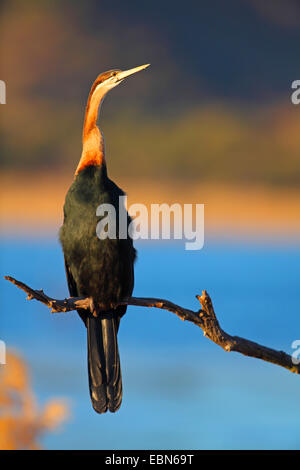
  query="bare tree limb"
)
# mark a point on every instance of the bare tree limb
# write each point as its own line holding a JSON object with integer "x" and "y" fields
{"x": 205, "y": 318}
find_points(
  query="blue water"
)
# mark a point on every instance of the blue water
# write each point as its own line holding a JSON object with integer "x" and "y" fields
{"x": 180, "y": 389}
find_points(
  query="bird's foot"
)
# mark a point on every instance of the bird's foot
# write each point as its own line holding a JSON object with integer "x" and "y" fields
{"x": 99, "y": 308}
{"x": 93, "y": 308}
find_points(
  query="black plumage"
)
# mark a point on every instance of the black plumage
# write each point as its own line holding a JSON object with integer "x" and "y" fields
{"x": 102, "y": 270}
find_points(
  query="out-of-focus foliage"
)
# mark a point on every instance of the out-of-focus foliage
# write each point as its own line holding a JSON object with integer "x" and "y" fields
{"x": 214, "y": 143}
{"x": 191, "y": 115}
{"x": 22, "y": 422}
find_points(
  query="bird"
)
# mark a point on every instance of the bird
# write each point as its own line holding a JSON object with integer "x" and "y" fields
{"x": 97, "y": 267}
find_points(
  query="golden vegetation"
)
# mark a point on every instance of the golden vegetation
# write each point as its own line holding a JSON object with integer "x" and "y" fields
{"x": 237, "y": 210}
{"x": 22, "y": 422}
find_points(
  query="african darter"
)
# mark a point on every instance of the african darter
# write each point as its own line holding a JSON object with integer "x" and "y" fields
{"x": 101, "y": 269}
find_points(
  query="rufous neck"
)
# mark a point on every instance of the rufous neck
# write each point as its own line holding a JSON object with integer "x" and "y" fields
{"x": 93, "y": 146}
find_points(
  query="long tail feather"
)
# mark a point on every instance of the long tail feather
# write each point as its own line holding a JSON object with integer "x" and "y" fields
{"x": 105, "y": 379}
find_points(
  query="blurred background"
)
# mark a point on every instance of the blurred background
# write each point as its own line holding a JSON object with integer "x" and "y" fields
{"x": 211, "y": 121}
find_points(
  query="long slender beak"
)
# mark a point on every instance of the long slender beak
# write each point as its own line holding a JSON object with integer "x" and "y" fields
{"x": 126, "y": 73}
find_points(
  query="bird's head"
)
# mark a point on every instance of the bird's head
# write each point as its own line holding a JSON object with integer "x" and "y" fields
{"x": 108, "y": 80}
{"x": 93, "y": 142}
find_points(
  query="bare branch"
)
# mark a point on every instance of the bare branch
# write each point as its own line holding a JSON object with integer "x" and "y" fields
{"x": 205, "y": 318}
{"x": 57, "y": 306}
